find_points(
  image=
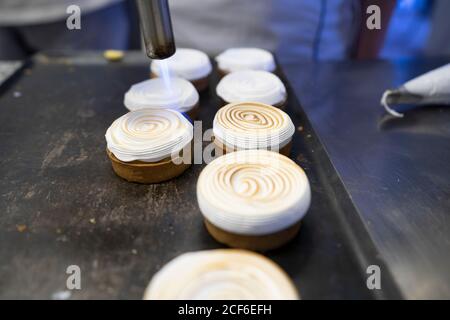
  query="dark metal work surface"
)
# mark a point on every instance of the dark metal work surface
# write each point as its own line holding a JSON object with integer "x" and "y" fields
{"x": 61, "y": 204}
{"x": 397, "y": 171}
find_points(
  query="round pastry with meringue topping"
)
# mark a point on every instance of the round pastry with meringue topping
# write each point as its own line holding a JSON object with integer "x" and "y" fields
{"x": 150, "y": 145}
{"x": 189, "y": 64}
{"x": 177, "y": 94}
{"x": 250, "y": 85}
{"x": 252, "y": 125}
{"x": 253, "y": 199}
{"x": 222, "y": 274}
{"x": 237, "y": 59}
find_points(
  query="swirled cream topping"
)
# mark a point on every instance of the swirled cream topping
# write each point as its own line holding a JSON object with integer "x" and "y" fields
{"x": 188, "y": 64}
{"x": 253, "y": 192}
{"x": 251, "y": 125}
{"x": 224, "y": 274}
{"x": 236, "y": 59}
{"x": 178, "y": 95}
{"x": 148, "y": 135}
{"x": 250, "y": 85}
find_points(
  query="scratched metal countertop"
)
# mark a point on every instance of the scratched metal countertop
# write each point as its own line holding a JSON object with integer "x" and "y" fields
{"x": 397, "y": 171}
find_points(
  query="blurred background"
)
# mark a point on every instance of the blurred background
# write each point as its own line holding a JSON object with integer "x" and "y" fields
{"x": 294, "y": 29}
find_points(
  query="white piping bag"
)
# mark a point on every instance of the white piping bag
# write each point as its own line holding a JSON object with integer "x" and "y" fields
{"x": 431, "y": 88}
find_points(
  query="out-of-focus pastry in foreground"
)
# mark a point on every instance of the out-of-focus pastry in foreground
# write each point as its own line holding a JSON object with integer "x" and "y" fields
{"x": 223, "y": 274}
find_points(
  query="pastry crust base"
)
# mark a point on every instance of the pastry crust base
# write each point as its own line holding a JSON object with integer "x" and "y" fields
{"x": 199, "y": 84}
{"x": 147, "y": 172}
{"x": 256, "y": 243}
{"x": 193, "y": 113}
{"x": 279, "y": 105}
{"x": 222, "y": 73}
{"x": 282, "y": 104}
{"x": 285, "y": 150}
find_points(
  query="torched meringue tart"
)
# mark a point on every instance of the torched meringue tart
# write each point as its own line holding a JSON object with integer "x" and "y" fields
{"x": 222, "y": 274}
{"x": 236, "y": 59}
{"x": 253, "y": 199}
{"x": 252, "y": 125}
{"x": 179, "y": 95}
{"x": 150, "y": 145}
{"x": 251, "y": 85}
{"x": 189, "y": 64}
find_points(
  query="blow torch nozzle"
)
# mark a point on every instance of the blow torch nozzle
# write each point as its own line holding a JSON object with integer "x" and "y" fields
{"x": 156, "y": 28}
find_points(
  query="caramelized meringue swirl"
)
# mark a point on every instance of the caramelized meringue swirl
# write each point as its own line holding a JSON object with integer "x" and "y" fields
{"x": 253, "y": 192}
{"x": 222, "y": 274}
{"x": 148, "y": 135}
{"x": 251, "y": 125}
{"x": 250, "y": 85}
